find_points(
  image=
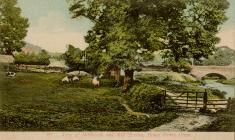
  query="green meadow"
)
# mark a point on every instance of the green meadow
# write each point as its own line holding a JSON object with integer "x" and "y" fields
{"x": 40, "y": 102}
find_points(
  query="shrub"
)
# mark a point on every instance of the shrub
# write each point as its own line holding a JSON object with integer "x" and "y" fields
{"x": 218, "y": 93}
{"x": 146, "y": 98}
{"x": 180, "y": 66}
{"x": 150, "y": 79}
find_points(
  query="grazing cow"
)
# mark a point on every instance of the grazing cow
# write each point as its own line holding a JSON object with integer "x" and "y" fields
{"x": 10, "y": 74}
{"x": 95, "y": 82}
{"x": 65, "y": 80}
{"x": 75, "y": 79}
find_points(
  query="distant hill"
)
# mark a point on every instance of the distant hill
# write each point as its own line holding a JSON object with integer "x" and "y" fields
{"x": 30, "y": 48}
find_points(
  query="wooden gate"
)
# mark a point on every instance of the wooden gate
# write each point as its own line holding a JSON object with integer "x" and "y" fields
{"x": 194, "y": 99}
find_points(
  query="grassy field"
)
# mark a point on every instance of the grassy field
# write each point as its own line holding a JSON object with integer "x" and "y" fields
{"x": 37, "y": 101}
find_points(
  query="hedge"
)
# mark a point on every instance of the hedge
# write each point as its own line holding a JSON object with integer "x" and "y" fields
{"x": 146, "y": 98}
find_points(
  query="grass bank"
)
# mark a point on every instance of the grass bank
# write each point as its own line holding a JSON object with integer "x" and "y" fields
{"x": 174, "y": 82}
{"x": 227, "y": 82}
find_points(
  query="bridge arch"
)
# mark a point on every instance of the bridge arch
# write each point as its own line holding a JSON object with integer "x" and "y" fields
{"x": 215, "y": 75}
{"x": 200, "y": 71}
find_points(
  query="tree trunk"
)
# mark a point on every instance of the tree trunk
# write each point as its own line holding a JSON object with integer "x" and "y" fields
{"x": 117, "y": 74}
{"x": 128, "y": 79}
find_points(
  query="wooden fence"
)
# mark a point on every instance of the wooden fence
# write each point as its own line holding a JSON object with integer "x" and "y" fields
{"x": 195, "y": 99}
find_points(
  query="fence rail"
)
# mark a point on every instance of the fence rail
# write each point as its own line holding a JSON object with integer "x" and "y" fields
{"x": 195, "y": 99}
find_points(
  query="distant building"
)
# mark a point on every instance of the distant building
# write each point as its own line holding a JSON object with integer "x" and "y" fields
{"x": 6, "y": 59}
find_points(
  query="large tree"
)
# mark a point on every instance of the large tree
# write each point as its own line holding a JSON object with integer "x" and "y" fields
{"x": 13, "y": 27}
{"x": 126, "y": 32}
{"x": 193, "y": 34}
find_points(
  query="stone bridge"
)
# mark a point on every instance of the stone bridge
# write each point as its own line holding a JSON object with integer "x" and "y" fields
{"x": 200, "y": 71}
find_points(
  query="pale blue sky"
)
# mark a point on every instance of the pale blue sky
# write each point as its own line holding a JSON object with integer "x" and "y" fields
{"x": 51, "y": 26}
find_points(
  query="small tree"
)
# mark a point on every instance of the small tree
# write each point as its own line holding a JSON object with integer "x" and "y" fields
{"x": 73, "y": 58}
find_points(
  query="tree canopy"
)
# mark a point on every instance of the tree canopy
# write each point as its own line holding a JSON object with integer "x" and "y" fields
{"x": 13, "y": 27}
{"x": 127, "y": 32}
{"x": 193, "y": 34}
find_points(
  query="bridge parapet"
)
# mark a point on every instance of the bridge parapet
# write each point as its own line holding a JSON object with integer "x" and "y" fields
{"x": 201, "y": 71}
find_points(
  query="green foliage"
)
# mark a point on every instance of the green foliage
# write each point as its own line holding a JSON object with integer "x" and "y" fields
{"x": 33, "y": 59}
{"x": 223, "y": 56}
{"x": 146, "y": 98}
{"x": 73, "y": 58}
{"x": 124, "y": 34}
{"x": 192, "y": 34}
{"x": 13, "y": 27}
{"x": 127, "y": 32}
{"x": 180, "y": 66}
{"x": 218, "y": 93}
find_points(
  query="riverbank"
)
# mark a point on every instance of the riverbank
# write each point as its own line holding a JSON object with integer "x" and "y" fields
{"x": 228, "y": 82}
{"x": 228, "y": 89}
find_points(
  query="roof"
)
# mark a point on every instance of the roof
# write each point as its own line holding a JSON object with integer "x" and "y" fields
{"x": 6, "y": 59}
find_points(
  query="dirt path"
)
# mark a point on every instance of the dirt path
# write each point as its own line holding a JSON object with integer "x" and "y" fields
{"x": 185, "y": 122}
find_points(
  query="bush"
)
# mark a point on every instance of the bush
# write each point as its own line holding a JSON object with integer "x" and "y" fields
{"x": 150, "y": 79}
{"x": 180, "y": 66}
{"x": 218, "y": 93}
{"x": 146, "y": 98}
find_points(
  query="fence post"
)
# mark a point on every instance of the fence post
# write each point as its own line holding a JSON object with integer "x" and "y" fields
{"x": 196, "y": 100}
{"x": 187, "y": 99}
{"x": 229, "y": 103}
{"x": 164, "y": 98}
{"x": 205, "y": 100}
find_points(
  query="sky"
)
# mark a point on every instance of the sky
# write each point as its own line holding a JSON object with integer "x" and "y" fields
{"x": 52, "y": 28}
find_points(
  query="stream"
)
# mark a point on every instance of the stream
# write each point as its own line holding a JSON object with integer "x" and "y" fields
{"x": 229, "y": 89}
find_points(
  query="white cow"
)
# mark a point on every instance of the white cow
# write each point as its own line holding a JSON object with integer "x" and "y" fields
{"x": 65, "y": 80}
{"x": 10, "y": 74}
{"x": 75, "y": 79}
{"x": 95, "y": 82}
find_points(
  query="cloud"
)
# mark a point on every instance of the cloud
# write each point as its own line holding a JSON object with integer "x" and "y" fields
{"x": 52, "y": 32}
{"x": 227, "y": 37}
